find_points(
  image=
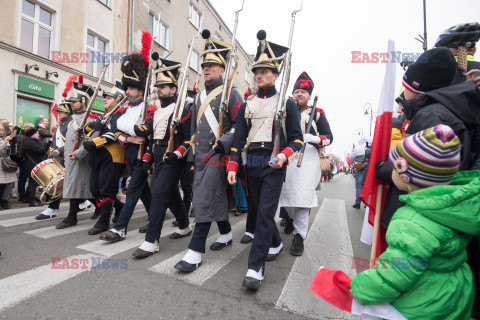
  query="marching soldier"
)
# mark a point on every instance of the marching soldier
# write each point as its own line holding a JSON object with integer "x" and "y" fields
{"x": 77, "y": 169}
{"x": 299, "y": 190}
{"x": 212, "y": 196}
{"x": 106, "y": 165}
{"x": 169, "y": 166}
{"x": 125, "y": 127}
{"x": 64, "y": 111}
{"x": 254, "y": 135}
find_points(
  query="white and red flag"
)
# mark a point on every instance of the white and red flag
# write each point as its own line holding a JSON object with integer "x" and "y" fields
{"x": 380, "y": 148}
{"x": 333, "y": 286}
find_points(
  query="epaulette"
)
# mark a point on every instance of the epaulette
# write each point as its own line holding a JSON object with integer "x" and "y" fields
{"x": 93, "y": 115}
{"x": 152, "y": 108}
{"x": 320, "y": 110}
{"x": 121, "y": 110}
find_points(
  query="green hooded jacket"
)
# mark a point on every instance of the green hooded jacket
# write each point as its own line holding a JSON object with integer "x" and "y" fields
{"x": 423, "y": 273}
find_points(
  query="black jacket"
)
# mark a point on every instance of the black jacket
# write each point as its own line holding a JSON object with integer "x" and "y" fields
{"x": 459, "y": 77}
{"x": 35, "y": 152}
{"x": 383, "y": 172}
{"x": 458, "y": 107}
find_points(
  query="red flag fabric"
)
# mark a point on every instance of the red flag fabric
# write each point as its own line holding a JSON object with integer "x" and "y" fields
{"x": 380, "y": 147}
{"x": 333, "y": 286}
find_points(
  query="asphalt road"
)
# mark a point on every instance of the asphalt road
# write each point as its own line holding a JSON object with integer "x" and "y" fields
{"x": 31, "y": 287}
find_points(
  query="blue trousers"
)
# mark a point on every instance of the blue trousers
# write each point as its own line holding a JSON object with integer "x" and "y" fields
{"x": 240, "y": 195}
{"x": 359, "y": 179}
{"x": 137, "y": 189}
{"x": 265, "y": 185}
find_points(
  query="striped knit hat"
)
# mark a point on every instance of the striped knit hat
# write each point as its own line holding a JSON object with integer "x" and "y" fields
{"x": 429, "y": 157}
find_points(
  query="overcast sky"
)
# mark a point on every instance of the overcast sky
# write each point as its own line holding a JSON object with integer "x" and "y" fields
{"x": 326, "y": 33}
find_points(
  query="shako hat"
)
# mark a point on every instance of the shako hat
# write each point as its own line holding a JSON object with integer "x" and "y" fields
{"x": 214, "y": 50}
{"x": 167, "y": 73}
{"x": 269, "y": 54}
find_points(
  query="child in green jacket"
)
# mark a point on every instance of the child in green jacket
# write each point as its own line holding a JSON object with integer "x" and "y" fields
{"x": 423, "y": 273}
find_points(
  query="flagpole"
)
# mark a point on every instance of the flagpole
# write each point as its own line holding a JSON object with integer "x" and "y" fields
{"x": 376, "y": 226}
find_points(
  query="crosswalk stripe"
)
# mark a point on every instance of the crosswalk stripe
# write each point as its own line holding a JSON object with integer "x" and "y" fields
{"x": 22, "y": 286}
{"x": 29, "y": 209}
{"x": 50, "y": 232}
{"x": 29, "y": 219}
{"x": 133, "y": 239}
{"x": 212, "y": 263}
{"x": 329, "y": 245}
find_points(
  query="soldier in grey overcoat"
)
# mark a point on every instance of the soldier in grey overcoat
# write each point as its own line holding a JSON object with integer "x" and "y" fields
{"x": 77, "y": 169}
{"x": 212, "y": 196}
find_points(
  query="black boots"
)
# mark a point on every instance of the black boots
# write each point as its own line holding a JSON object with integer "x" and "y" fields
{"x": 118, "y": 205}
{"x": 71, "y": 219}
{"x": 103, "y": 223}
{"x": 297, "y": 245}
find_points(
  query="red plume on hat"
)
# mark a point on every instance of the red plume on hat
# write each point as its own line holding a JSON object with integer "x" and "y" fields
{"x": 69, "y": 85}
{"x": 304, "y": 82}
{"x": 146, "y": 46}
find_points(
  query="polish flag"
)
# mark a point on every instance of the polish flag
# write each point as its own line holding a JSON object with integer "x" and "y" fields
{"x": 333, "y": 286}
{"x": 380, "y": 147}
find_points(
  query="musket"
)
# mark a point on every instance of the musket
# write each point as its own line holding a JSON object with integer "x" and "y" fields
{"x": 229, "y": 76}
{"x": 105, "y": 119}
{"x": 309, "y": 125}
{"x": 283, "y": 87}
{"x": 182, "y": 92}
{"x": 141, "y": 150}
{"x": 89, "y": 108}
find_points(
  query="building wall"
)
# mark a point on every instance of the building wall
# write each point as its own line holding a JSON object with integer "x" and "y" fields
{"x": 175, "y": 14}
{"x": 71, "y": 22}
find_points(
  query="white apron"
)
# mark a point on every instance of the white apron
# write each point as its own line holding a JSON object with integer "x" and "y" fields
{"x": 299, "y": 188}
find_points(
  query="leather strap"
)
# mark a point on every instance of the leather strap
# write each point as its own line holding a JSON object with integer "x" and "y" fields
{"x": 212, "y": 95}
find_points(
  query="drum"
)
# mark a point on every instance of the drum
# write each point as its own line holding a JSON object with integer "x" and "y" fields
{"x": 49, "y": 175}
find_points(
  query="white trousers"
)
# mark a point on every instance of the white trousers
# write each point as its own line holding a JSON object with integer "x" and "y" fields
{"x": 300, "y": 218}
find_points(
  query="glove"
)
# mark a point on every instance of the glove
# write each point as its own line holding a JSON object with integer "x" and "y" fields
{"x": 170, "y": 157}
{"x": 219, "y": 148}
{"x": 89, "y": 145}
{"x": 325, "y": 142}
{"x": 307, "y": 137}
{"x": 96, "y": 125}
{"x": 146, "y": 167}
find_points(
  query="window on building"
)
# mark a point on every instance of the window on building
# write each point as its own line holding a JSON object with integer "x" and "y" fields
{"x": 105, "y": 2}
{"x": 194, "y": 61}
{"x": 36, "y": 29}
{"x": 195, "y": 16}
{"x": 96, "y": 48}
{"x": 248, "y": 77}
{"x": 159, "y": 30}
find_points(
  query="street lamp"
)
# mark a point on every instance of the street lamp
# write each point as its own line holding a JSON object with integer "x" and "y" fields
{"x": 365, "y": 107}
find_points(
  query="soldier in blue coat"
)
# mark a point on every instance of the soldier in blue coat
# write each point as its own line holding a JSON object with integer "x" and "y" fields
{"x": 254, "y": 136}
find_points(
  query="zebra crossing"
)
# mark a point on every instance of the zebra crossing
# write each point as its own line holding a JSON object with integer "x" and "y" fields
{"x": 294, "y": 297}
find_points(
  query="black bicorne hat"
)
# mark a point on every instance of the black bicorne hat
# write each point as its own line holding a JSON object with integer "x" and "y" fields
{"x": 167, "y": 73}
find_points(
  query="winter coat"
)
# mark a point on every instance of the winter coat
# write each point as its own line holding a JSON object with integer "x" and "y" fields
{"x": 458, "y": 107}
{"x": 6, "y": 177}
{"x": 423, "y": 273}
{"x": 44, "y": 134}
{"x": 213, "y": 197}
{"x": 35, "y": 152}
{"x": 77, "y": 172}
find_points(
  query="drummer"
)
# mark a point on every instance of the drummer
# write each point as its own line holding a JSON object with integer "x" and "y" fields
{"x": 299, "y": 189}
